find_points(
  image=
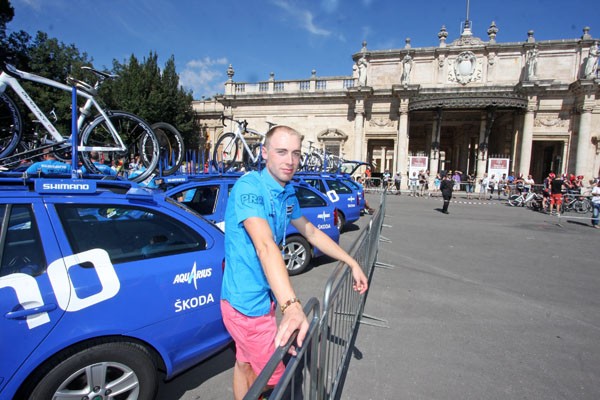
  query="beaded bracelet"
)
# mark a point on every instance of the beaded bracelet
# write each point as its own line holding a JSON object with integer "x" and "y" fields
{"x": 288, "y": 303}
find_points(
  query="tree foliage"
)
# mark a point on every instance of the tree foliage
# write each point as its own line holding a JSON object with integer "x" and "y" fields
{"x": 142, "y": 87}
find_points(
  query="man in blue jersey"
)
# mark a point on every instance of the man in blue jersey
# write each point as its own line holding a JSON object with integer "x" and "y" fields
{"x": 261, "y": 205}
{"x": 50, "y": 165}
{"x": 102, "y": 168}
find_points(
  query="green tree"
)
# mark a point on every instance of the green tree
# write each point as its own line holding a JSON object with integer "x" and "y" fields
{"x": 154, "y": 94}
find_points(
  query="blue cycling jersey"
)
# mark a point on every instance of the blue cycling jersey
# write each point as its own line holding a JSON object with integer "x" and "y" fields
{"x": 103, "y": 168}
{"x": 256, "y": 194}
{"x": 48, "y": 167}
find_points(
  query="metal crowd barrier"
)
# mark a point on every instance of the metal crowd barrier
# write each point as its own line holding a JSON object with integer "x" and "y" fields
{"x": 317, "y": 370}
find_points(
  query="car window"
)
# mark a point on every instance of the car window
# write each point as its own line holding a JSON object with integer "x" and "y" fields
{"x": 22, "y": 249}
{"x": 127, "y": 233}
{"x": 317, "y": 184}
{"x": 308, "y": 198}
{"x": 202, "y": 199}
{"x": 338, "y": 186}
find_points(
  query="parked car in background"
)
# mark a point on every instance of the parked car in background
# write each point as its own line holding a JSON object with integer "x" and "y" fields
{"x": 208, "y": 195}
{"x": 345, "y": 198}
{"x": 105, "y": 287}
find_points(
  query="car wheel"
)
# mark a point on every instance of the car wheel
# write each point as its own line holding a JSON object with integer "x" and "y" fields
{"x": 106, "y": 370}
{"x": 341, "y": 221}
{"x": 296, "y": 254}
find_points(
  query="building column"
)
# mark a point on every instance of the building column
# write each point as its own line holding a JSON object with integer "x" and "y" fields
{"x": 481, "y": 150}
{"x": 584, "y": 143}
{"x": 434, "y": 152}
{"x": 359, "y": 120}
{"x": 401, "y": 159}
{"x": 527, "y": 139}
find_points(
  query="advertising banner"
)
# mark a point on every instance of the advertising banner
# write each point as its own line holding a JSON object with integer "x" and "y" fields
{"x": 417, "y": 164}
{"x": 498, "y": 166}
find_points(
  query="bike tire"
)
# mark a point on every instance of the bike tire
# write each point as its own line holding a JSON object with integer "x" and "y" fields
{"x": 226, "y": 151}
{"x": 11, "y": 126}
{"x": 514, "y": 201}
{"x": 581, "y": 206}
{"x": 172, "y": 148}
{"x": 137, "y": 135}
{"x": 314, "y": 163}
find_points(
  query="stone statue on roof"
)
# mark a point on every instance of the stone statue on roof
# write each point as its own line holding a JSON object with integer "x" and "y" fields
{"x": 407, "y": 63}
{"x": 591, "y": 63}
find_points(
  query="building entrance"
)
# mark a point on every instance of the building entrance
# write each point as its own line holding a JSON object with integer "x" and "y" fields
{"x": 546, "y": 157}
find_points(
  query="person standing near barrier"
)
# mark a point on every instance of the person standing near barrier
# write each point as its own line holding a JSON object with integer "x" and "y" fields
{"x": 255, "y": 279}
{"x": 470, "y": 185}
{"x": 398, "y": 182}
{"x": 413, "y": 183}
{"x": 447, "y": 187}
{"x": 596, "y": 205}
{"x": 556, "y": 194}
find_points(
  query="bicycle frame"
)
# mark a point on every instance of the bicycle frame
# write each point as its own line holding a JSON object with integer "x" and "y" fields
{"x": 7, "y": 79}
{"x": 239, "y": 134}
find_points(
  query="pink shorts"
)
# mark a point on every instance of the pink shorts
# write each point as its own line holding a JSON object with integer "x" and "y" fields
{"x": 254, "y": 338}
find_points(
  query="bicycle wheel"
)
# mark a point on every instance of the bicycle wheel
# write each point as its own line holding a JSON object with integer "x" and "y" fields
{"x": 10, "y": 126}
{"x": 581, "y": 206}
{"x": 226, "y": 151}
{"x": 137, "y": 136}
{"x": 171, "y": 145}
{"x": 514, "y": 200}
{"x": 314, "y": 162}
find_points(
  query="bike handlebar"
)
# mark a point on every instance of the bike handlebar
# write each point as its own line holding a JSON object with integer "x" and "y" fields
{"x": 243, "y": 123}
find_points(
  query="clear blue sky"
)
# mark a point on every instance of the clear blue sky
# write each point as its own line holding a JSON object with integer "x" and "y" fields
{"x": 287, "y": 37}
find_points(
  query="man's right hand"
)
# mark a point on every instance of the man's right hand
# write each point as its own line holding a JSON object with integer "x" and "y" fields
{"x": 293, "y": 319}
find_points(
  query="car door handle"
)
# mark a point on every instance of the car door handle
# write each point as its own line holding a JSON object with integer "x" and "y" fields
{"x": 30, "y": 311}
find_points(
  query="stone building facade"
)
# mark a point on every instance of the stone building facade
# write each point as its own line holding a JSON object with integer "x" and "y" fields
{"x": 536, "y": 103}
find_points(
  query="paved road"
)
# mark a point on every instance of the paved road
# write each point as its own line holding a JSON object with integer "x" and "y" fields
{"x": 489, "y": 302}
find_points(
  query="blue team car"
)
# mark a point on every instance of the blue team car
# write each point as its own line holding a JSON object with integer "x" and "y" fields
{"x": 105, "y": 287}
{"x": 346, "y": 199}
{"x": 208, "y": 196}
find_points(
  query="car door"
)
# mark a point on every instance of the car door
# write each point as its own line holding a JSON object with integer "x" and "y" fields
{"x": 161, "y": 274}
{"x": 29, "y": 306}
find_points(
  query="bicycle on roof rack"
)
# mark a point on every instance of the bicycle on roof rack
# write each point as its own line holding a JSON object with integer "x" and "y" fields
{"x": 233, "y": 150}
{"x": 311, "y": 160}
{"x": 113, "y": 134}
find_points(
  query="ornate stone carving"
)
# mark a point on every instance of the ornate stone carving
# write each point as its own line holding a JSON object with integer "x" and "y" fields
{"x": 560, "y": 121}
{"x": 380, "y": 122}
{"x": 466, "y": 69}
{"x": 332, "y": 134}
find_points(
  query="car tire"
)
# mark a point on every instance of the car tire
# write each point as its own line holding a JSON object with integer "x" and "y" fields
{"x": 297, "y": 254}
{"x": 341, "y": 221}
{"x": 119, "y": 367}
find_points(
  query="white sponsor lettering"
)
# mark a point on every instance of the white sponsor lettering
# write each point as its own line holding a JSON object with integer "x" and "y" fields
{"x": 194, "y": 302}
{"x": 324, "y": 226}
{"x": 66, "y": 186}
{"x": 192, "y": 276}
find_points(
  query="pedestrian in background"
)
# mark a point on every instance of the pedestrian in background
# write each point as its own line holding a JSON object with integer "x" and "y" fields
{"x": 398, "y": 182}
{"x": 596, "y": 205}
{"x": 413, "y": 183}
{"x": 446, "y": 187}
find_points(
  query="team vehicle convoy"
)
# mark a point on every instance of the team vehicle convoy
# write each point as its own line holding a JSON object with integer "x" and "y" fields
{"x": 105, "y": 288}
{"x": 208, "y": 196}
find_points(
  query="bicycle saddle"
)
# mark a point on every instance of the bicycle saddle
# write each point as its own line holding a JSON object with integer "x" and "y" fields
{"x": 81, "y": 85}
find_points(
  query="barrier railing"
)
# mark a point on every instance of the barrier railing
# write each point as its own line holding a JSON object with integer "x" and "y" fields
{"x": 316, "y": 371}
